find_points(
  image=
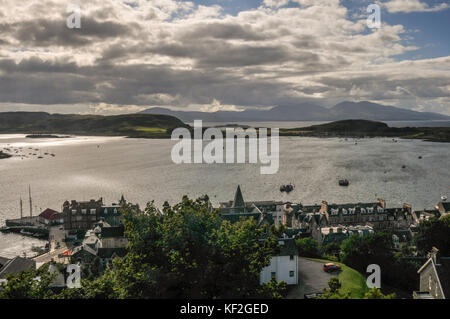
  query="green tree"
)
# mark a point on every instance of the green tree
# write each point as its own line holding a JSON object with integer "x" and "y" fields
{"x": 434, "y": 233}
{"x": 333, "y": 292}
{"x": 376, "y": 293}
{"x": 189, "y": 251}
{"x": 360, "y": 251}
{"x": 32, "y": 284}
{"x": 307, "y": 247}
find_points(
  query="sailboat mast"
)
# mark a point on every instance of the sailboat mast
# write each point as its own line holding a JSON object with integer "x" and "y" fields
{"x": 31, "y": 204}
{"x": 21, "y": 208}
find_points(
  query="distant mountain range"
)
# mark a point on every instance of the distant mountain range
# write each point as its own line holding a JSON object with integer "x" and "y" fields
{"x": 307, "y": 112}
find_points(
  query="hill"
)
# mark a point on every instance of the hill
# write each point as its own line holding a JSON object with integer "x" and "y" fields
{"x": 133, "y": 125}
{"x": 365, "y": 128}
{"x": 306, "y": 112}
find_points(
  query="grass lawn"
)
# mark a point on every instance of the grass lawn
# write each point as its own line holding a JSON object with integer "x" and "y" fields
{"x": 151, "y": 129}
{"x": 350, "y": 279}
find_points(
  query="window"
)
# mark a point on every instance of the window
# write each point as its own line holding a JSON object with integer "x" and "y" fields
{"x": 291, "y": 273}
{"x": 84, "y": 211}
{"x": 93, "y": 211}
{"x": 291, "y": 257}
{"x": 74, "y": 211}
{"x": 273, "y": 275}
{"x": 429, "y": 282}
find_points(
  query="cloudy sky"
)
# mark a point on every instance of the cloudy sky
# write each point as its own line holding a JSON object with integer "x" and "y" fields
{"x": 222, "y": 54}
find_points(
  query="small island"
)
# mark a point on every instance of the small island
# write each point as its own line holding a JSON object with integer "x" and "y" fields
{"x": 365, "y": 128}
{"x": 46, "y": 136}
{"x": 4, "y": 155}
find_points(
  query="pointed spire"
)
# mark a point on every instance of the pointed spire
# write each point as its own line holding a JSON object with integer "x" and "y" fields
{"x": 238, "y": 198}
{"x": 122, "y": 200}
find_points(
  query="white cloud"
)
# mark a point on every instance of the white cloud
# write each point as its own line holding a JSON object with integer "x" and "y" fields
{"x": 407, "y": 6}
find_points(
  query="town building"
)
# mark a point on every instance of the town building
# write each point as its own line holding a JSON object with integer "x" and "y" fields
{"x": 111, "y": 213}
{"x": 51, "y": 217}
{"x": 434, "y": 277}
{"x": 283, "y": 266}
{"x": 337, "y": 234}
{"x": 81, "y": 216}
{"x": 103, "y": 241}
{"x": 272, "y": 210}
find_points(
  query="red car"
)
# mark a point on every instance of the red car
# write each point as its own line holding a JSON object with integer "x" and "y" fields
{"x": 330, "y": 267}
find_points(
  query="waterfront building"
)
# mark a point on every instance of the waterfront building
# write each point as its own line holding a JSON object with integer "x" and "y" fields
{"x": 51, "y": 217}
{"x": 81, "y": 216}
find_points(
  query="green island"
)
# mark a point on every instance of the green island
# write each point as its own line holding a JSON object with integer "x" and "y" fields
{"x": 45, "y": 125}
{"x": 365, "y": 128}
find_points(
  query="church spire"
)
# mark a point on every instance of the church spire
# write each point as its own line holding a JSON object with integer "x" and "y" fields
{"x": 238, "y": 198}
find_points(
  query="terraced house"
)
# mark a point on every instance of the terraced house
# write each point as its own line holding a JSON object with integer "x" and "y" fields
{"x": 374, "y": 214}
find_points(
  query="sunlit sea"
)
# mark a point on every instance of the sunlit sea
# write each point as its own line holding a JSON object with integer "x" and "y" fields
{"x": 142, "y": 170}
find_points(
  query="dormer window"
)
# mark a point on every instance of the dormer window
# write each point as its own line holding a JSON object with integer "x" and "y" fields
{"x": 74, "y": 211}
{"x": 84, "y": 211}
{"x": 363, "y": 211}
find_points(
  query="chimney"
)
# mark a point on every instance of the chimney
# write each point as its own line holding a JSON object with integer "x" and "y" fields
{"x": 434, "y": 254}
{"x": 382, "y": 202}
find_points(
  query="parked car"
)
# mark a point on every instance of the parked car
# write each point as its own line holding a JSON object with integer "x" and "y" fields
{"x": 330, "y": 267}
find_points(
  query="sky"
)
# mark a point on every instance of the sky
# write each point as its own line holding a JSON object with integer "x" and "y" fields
{"x": 215, "y": 55}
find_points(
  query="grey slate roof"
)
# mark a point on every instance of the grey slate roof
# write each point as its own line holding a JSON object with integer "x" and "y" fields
{"x": 17, "y": 265}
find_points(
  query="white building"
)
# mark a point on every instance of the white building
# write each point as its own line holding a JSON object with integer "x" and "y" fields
{"x": 284, "y": 266}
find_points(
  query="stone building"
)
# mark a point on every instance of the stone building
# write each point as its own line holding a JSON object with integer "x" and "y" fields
{"x": 270, "y": 210}
{"x": 373, "y": 214}
{"x": 81, "y": 216}
{"x": 434, "y": 277}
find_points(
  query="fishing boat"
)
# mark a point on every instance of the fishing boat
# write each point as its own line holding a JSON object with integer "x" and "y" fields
{"x": 344, "y": 182}
{"x": 287, "y": 188}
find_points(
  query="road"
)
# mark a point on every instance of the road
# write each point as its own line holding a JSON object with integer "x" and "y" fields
{"x": 311, "y": 278}
{"x": 45, "y": 258}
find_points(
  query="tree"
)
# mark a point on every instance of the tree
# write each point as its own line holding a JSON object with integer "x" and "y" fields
{"x": 360, "y": 251}
{"x": 31, "y": 284}
{"x": 434, "y": 233}
{"x": 307, "y": 247}
{"x": 333, "y": 291}
{"x": 376, "y": 293}
{"x": 189, "y": 251}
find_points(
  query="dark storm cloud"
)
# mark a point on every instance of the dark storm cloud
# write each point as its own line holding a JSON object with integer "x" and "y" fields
{"x": 224, "y": 31}
{"x": 173, "y": 53}
{"x": 43, "y": 33}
